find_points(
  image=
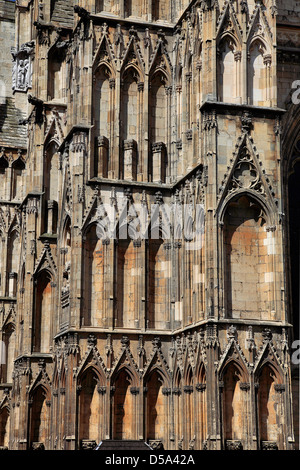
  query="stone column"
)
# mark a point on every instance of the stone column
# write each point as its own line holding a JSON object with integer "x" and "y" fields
{"x": 158, "y": 162}
{"x": 12, "y": 284}
{"x": 52, "y": 209}
{"x": 102, "y": 146}
{"x": 238, "y": 59}
{"x": 130, "y": 160}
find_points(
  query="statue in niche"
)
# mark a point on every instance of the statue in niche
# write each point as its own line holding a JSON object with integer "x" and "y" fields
{"x": 21, "y": 70}
{"x": 22, "y": 73}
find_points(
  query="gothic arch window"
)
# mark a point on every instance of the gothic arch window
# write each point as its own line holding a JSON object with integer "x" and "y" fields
{"x": 9, "y": 340}
{"x": 126, "y": 282}
{"x": 56, "y": 76}
{"x": 91, "y": 407}
{"x": 123, "y": 407}
{"x": 3, "y": 174}
{"x": 247, "y": 267}
{"x": 157, "y": 285}
{"x": 130, "y": 123}
{"x": 4, "y": 426}
{"x": 158, "y": 109}
{"x": 93, "y": 278}
{"x": 103, "y": 119}
{"x": 158, "y": 122}
{"x": 130, "y": 104}
{"x": 233, "y": 404}
{"x": 51, "y": 172}
{"x": 102, "y": 102}
{"x": 270, "y": 406}
{"x": 51, "y": 186}
{"x": 18, "y": 168}
{"x": 43, "y": 309}
{"x": 13, "y": 252}
{"x": 160, "y": 10}
{"x": 155, "y": 407}
{"x": 258, "y": 74}
{"x": 228, "y": 71}
{"x": 39, "y": 418}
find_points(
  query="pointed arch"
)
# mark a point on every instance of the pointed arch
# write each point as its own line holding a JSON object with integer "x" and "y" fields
{"x": 56, "y": 74}
{"x": 18, "y": 167}
{"x": 228, "y": 69}
{"x": 246, "y": 260}
{"x": 233, "y": 360}
{"x": 131, "y": 117}
{"x": 102, "y": 110}
{"x": 44, "y": 301}
{"x": 39, "y": 417}
{"x": 103, "y": 116}
{"x": 13, "y": 259}
{"x": 258, "y": 78}
{"x": 234, "y": 402}
{"x": 158, "y": 361}
{"x": 157, "y": 285}
{"x": 129, "y": 103}
{"x": 158, "y": 124}
{"x": 126, "y": 282}
{"x": 268, "y": 356}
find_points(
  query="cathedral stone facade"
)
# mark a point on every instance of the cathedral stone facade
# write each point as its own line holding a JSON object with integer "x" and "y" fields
{"x": 183, "y": 340}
